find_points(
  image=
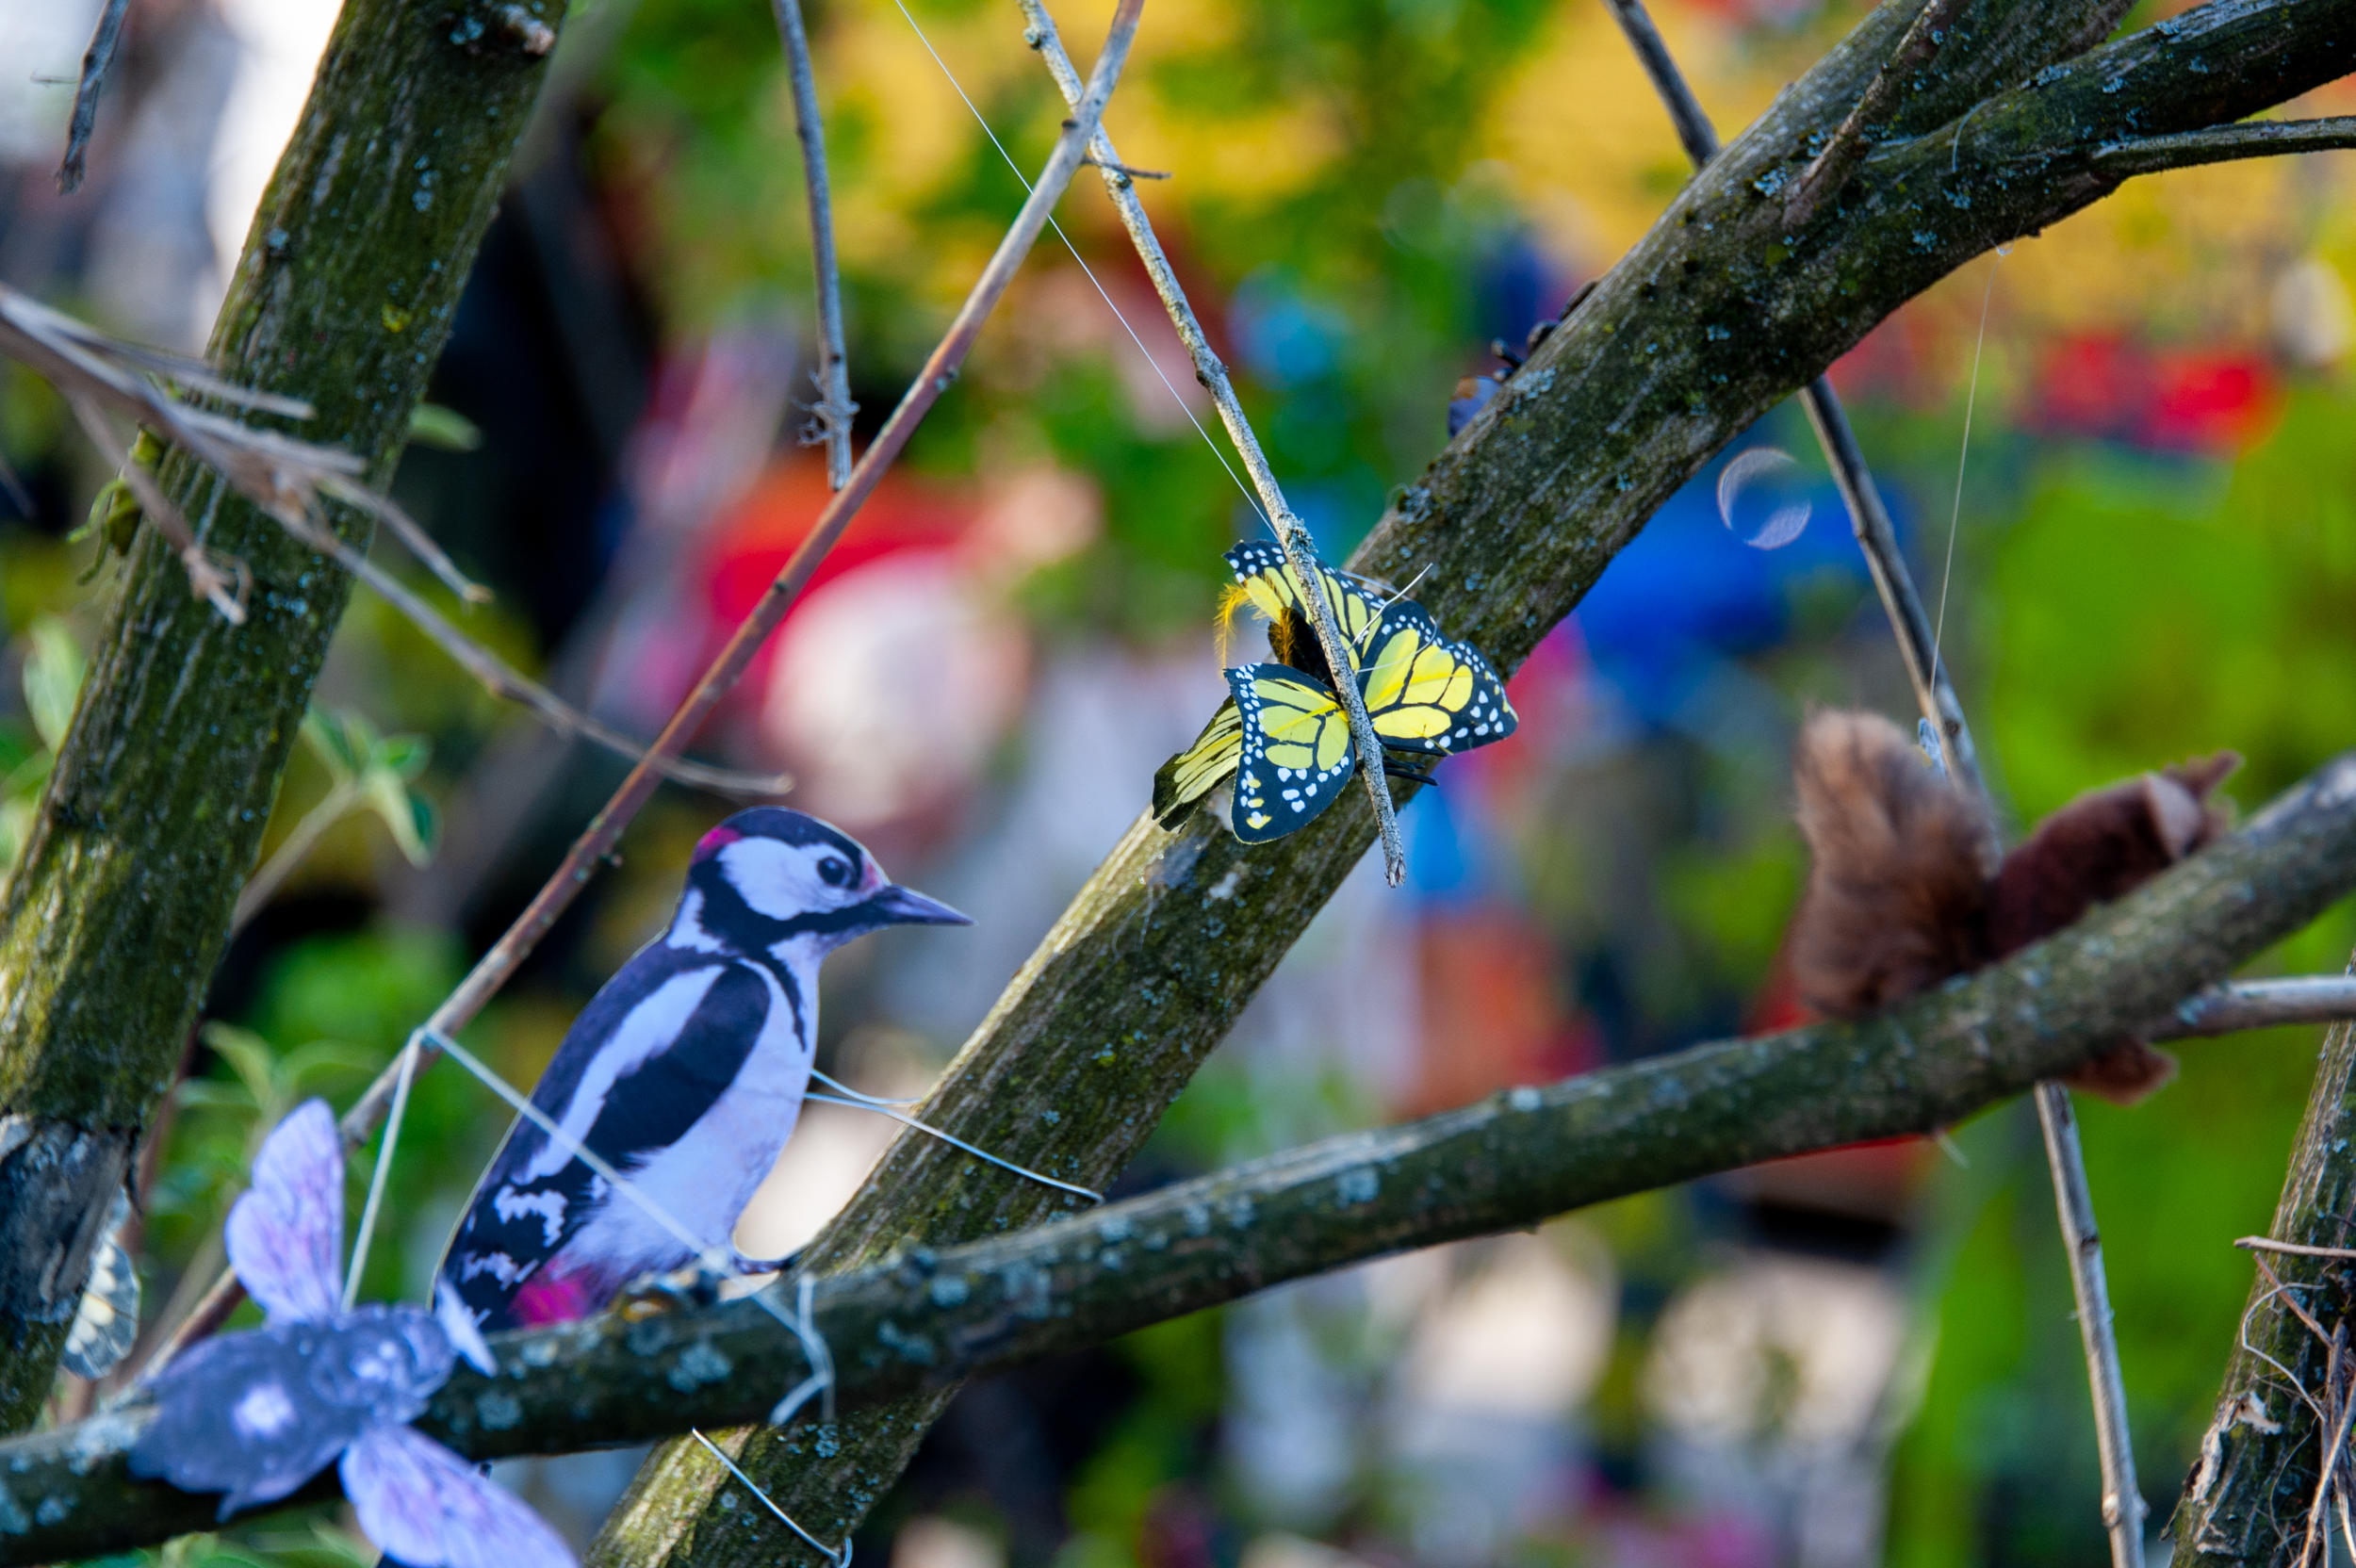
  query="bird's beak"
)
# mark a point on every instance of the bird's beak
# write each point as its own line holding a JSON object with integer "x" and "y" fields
{"x": 897, "y": 906}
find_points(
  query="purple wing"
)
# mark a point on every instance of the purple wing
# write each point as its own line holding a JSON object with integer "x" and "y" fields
{"x": 286, "y": 1233}
{"x": 424, "y": 1505}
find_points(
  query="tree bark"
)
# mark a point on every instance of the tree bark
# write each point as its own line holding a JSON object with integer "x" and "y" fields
{"x": 1715, "y": 315}
{"x": 2251, "y": 1493}
{"x": 908, "y": 1326}
{"x": 119, "y": 910}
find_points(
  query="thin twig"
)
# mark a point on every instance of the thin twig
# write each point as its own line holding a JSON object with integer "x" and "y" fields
{"x": 596, "y": 841}
{"x": 2122, "y": 1501}
{"x": 1865, "y": 124}
{"x": 2261, "y": 1004}
{"x": 2267, "y": 1244}
{"x": 1918, "y": 641}
{"x": 1208, "y": 369}
{"x": 264, "y": 884}
{"x": 2251, "y": 138}
{"x": 291, "y": 481}
{"x": 833, "y": 411}
{"x": 1868, "y": 517}
{"x": 97, "y": 60}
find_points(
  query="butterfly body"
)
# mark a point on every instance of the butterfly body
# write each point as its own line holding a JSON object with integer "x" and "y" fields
{"x": 256, "y": 1413}
{"x": 1286, "y": 737}
{"x": 686, "y": 1074}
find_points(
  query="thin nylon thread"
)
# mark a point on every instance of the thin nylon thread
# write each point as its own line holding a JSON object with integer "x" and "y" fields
{"x": 1970, "y": 397}
{"x": 377, "y": 1178}
{"x": 839, "y": 1558}
{"x": 1153, "y": 364}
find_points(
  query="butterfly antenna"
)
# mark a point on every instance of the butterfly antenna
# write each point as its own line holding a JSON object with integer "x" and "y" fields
{"x": 1232, "y": 599}
{"x": 953, "y": 1141}
{"x": 367, "y": 1232}
{"x": 840, "y": 1559}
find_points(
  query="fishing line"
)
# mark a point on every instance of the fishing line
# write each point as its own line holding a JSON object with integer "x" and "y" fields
{"x": 866, "y": 1104}
{"x": 1970, "y": 397}
{"x": 841, "y": 1560}
{"x": 1154, "y": 364}
{"x": 384, "y": 1170}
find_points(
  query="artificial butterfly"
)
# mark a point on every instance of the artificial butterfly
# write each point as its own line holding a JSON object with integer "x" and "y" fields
{"x": 255, "y": 1415}
{"x": 1285, "y": 734}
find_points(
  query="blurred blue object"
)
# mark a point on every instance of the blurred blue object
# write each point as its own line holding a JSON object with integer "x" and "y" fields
{"x": 1473, "y": 395}
{"x": 1687, "y": 594}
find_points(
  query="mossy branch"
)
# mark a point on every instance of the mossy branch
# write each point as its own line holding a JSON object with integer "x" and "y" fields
{"x": 1713, "y": 318}
{"x": 153, "y": 820}
{"x": 921, "y": 1319}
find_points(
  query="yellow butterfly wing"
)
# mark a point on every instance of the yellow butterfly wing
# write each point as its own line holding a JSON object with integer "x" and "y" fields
{"x": 1186, "y": 779}
{"x": 1267, "y": 578}
{"x": 1295, "y": 754}
{"x": 1427, "y": 694}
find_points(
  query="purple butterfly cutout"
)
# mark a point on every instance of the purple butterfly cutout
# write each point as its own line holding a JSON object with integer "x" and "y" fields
{"x": 254, "y": 1415}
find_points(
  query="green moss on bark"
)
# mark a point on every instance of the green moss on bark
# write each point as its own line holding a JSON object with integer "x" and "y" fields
{"x": 118, "y": 911}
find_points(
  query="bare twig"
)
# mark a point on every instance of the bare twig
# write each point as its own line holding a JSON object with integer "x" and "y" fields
{"x": 289, "y": 480}
{"x": 1829, "y": 170}
{"x": 1918, "y": 641}
{"x": 925, "y": 1317}
{"x": 2267, "y": 1244}
{"x": 1208, "y": 369}
{"x": 2261, "y": 1004}
{"x": 833, "y": 411}
{"x": 2122, "y": 1501}
{"x": 493, "y": 968}
{"x": 2251, "y": 138}
{"x": 97, "y": 60}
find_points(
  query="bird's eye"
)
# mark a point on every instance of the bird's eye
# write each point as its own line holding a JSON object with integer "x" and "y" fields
{"x": 834, "y": 871}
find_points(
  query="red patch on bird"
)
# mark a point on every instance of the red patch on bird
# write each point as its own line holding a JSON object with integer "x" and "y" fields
{"x": 714, "y": 842}
{"x": 553, "y": 1297}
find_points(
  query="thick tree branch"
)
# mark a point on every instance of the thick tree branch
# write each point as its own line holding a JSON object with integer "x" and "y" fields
{"x": 152, "y": 822}
{"x": 939, "y": 369}
{"x": 1869, "y": 121}
{"x": 1713, "y": 318}
{"x": 921, "y": 1320}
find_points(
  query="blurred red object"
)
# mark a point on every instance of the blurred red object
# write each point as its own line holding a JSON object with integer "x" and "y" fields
{"x": 2205, "y": 402}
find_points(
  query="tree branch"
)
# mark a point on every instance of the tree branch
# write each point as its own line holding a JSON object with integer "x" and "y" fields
{"x": 922, "y": 1320}
{"x": 118, "y": 908}
{"x": 1869, "y": 121}
{"x": 1707, "y": 322}
{"x": 834, "y": 408}
{"x": 494, "y": 967}
{"x": 97, "y": 61}
{"x": 1209, "y": 369}
{"x": 2255, "y": 138}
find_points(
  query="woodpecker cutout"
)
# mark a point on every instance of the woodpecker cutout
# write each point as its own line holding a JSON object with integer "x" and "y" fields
{"x": 685, "y": 1074}
{"x": 1908, "y": 887}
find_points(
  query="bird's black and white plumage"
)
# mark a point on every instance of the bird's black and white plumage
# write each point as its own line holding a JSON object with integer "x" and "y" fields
{"x": 685, "y": 1073}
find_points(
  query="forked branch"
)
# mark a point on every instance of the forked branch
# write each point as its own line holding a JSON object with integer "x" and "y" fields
{"x": 1512, "y": 1160}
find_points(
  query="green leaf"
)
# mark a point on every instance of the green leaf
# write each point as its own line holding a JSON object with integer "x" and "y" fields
{"x": 432, "y": 425}
{"x": 406, "y": 815}
{"x": 342, "y": 742}
{"x": 249, "y": 1056}
{"x": 52, "y": 679}
{"x": 406, "y": 755}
